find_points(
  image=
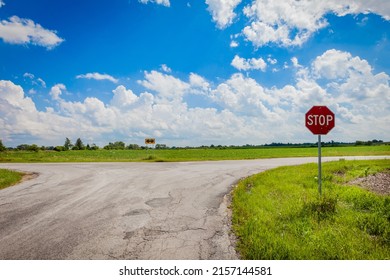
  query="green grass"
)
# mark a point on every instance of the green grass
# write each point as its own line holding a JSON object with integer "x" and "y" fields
{"x": 186, "y": 154}
{"x": 9, "y": 178}
{"x": 278, "y": 214}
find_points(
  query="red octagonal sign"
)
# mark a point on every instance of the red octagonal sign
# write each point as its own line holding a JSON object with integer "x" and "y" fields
{"x": 319, "y": 120}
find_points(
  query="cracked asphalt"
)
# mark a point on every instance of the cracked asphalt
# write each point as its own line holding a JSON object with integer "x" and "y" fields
{"x": 148, "y": 211}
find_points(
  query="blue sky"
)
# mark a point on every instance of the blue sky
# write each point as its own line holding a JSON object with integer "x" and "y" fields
{"x": 192, "y": 72}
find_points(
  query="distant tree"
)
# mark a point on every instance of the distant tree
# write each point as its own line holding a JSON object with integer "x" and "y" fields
{"x": 22, "y": 147}
{"x": 79, "y": 145}
{"x": 118, "y": 145}
{"x": 93, "y": 147}
{"x": 33, "y": 148}
{"x": 2, "y": 147}
{"x": 133, "y": 147}
{"x": 68, "y": 144}
{"x": 161, "y": 146}
{"x": 59, "y": 148}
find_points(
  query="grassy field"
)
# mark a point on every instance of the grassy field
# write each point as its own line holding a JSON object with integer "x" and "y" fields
{"x": 9, "y": 178}
{"x": 278, "y": 214}
{"x": 186, "y": 154}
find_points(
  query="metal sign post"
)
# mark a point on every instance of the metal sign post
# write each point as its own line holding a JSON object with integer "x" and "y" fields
{"x": 319, "y": 120}
{"x": 319, "y": 166}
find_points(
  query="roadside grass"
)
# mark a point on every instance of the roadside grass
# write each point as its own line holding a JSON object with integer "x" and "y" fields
{"x": 9, "y": 178}
{"x": 187, "y": 154}
{"x": 279, "y": 215}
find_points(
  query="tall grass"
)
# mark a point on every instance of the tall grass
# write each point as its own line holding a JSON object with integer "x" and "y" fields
{"x": 278, "y": 214}
{"x": 8, "y": 178}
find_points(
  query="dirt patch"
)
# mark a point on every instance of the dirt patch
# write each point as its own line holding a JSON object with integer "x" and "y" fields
{"x": 378, "y": 183}
{"x": 28, "y": 176}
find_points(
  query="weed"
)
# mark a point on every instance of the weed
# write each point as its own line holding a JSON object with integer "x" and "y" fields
{"x": 150, "y": 157}
{"x": 321, "y": 208}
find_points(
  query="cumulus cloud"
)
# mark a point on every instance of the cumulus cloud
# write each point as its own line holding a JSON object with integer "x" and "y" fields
{"x": 198, "y": 81}
{"x": 20, "y": 119}
{"x": 56, "y": 91}
{"x": 350, "y": 77}
{"x": 222, "y": 11}
{"x": 165, "y": 3}
{"x": 2, "y": 3}
{"x": 24, "y": 31}
{"x": 249, "y": 64}
{"x": 98, "y": 77}
{"x": 240, "y": 110}
{"x": 167, "y": 86}
{"x": 290, "y": 22}
{"x": 123, "y": 97}
{"x": 335, "y": 64}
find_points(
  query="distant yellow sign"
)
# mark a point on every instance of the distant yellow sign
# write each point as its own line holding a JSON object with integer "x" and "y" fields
{"x": 150, "y": 141}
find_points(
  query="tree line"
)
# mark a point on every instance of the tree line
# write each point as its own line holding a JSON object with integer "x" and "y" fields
{"x": 120, "y": 145}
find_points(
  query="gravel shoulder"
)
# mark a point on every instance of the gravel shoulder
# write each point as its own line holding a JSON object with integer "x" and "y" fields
{"x": 378, "y": 183}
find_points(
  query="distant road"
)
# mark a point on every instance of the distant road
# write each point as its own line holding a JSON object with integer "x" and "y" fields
{"x": 125, "y": 210}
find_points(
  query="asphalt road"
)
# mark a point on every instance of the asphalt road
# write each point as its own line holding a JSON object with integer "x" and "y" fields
{"x": 124, "y": 210}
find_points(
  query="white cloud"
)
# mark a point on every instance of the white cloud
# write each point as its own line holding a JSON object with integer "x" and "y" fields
{"x": 28, "y": 75}
{"x": 165, "y": 68}
{"x": 248, "y": 112}
{"x": 98, "y": 77}
{"x": 35, "y": 82}
{"x": 198, "y": 81}
{"x": 123, "y": 98}
{"x": 2, "y": 3}
{"x": 272, "y": 61}
{"x": 165, "y": 3}
{"x": 41, "y": 82}
{"x": 199, "y": 85}
{"x": 56, "y": 91}
{"x": 167, "y": 86}
{"x": 291, "y": 22}
{"x": 248, "y": 64}
{"x": 222, "y": 11}
{"x": 24, "y": 31}
{"x": 334, "y": 64}
{"x": 20, "y": 120}
{"x": 295, "y": 62}
{"x": 234, "y": 44}
{"x": 245, "y": 96}
{"x": 350, "y": 76}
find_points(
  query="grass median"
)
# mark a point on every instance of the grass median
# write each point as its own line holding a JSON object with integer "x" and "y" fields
{"x": 9, "y": 178}
{"x": 278, "y": 214}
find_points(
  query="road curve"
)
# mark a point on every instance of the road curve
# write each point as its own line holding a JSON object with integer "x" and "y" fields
{"x": 124, "y": 210}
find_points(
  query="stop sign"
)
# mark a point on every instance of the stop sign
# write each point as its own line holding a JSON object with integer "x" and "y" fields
{"x": 319, "y": 120}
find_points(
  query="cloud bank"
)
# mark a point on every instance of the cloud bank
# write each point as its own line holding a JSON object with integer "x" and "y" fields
{"x": 241, "y": 110}
{"x": 290, "y": 22}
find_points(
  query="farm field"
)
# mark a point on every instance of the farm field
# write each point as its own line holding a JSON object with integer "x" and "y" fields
{"x": 278, "y": 214}
{"x": 172, "y": 155}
